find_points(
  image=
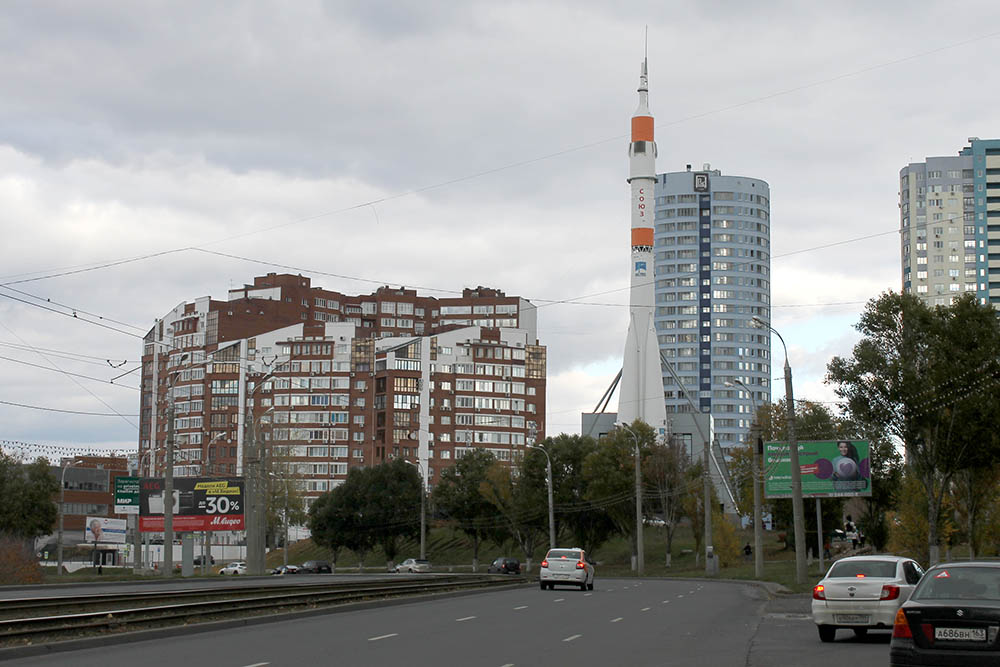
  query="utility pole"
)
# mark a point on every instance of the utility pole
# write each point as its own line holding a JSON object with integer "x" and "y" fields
{"x": 168, "y": 490}
{"x": 707, "y": 482}
{"x": 756, "y": 452}
{"x": 639, "y": 556}
{"x": 423, "y": 508}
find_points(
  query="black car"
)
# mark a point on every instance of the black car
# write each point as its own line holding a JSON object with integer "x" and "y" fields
{"x": 197, "y": 560}
{"x": 315, "y": 567}
{"x": 505, "y": 565}
{"x": 952, "y": 618}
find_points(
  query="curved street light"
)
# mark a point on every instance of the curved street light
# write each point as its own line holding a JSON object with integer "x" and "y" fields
{"x": 423, "y": 509}
{"x": 548, "y": 480}
{"x": 798, "y": 519}
{"x": 639, "y": 557}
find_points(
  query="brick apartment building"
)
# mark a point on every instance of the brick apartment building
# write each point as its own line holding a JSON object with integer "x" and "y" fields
{"x": 327, "y": 381}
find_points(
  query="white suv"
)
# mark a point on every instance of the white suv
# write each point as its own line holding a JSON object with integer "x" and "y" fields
{"x": 569, "y": 567}
{"x": 235, "y": 568}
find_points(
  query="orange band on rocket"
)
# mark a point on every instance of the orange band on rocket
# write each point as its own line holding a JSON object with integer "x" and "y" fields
{"x": 642, "y": 128}
{"x": 642, "y": 236}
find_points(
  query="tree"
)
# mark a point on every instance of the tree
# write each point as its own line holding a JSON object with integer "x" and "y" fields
{"x": 588, "y": 525}
{"x": 27, "y": 498}
{"x": 610, "y": 475}
{"x": 915, "y": 376}
{"x": 974, "y": 495}
{"x": 665, "y": 469}
{"x": 394, "y": 504}
{"x": 521, "y": 499}
{"x": 458, "y": 499}
{"x": 693, "y": 503}
{"x": 283, "y": 497}
{"x": 374, "y": 506}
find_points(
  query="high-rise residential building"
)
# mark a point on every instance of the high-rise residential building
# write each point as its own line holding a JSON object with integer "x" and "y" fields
{"x": 949, "y": 211}
{"x": 327, "y": 381}
{"x": 712, "y": 273}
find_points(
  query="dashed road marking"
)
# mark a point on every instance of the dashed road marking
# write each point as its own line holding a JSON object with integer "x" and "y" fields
{"x": 587, "y": 595}
{"x": 680, "y": 595}
{"x": 464, "y": 618}
{"x": 258, "y": 664}
{"x": 559, "y": 599}
{"x": 615, "y": 620}
{"x": 375, "y": 639}
{"x": 572, "y": 637}
{"x": 645, "y": 609}
{"x": 665, "y": 602}
{"x": 523, "y": 606}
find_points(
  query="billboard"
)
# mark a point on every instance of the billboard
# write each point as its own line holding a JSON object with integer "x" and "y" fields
{"x": 830, "y": 469}
{"x": 103, "y": 529}
{"x": 199, "y": 503}
{"x": 126, "y": 495}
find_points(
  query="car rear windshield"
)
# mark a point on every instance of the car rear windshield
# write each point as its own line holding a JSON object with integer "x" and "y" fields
{"x": 959, "y": 583}
{"x": 863, "y": 568}
{"x": 421, "y": 562}
{"x": 564, "y": 553}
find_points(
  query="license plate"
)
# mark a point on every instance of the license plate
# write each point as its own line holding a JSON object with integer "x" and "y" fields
{"x": 961, "y": 634}
{"x": 852, "y": 618}
{"x": 561, "y": 576}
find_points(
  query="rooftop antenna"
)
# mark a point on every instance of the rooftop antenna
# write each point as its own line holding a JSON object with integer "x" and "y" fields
{"x": 645, "y": 45}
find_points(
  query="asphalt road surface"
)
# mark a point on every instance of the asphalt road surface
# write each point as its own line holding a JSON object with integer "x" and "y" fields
{"x": 622, "y": 622}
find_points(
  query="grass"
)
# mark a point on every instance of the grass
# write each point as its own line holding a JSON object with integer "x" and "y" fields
{"x": 447, "y": 548}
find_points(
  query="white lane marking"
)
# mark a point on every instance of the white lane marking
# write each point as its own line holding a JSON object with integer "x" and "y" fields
{"x": 258, "y": 664}
{"x": 559, "y": 599}
{"x": 375, "y": 639}
{"x": 464, "y": 618}
{"x": 645, "y": 609}
{"x": 572, "y": 637}
{"x": 610, "y": 589}
{"x": 666, "y": 602}
{"x": 680, "y": 595}
{"x": 587, "y": 595}
{"x": 615, "y": 620}
{"x": 690, "y": 592}
{"x": 523, "y": 606}
{"x": 509, "y": 664}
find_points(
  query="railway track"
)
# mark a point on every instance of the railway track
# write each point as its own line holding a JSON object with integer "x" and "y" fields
{"x": 43, "y": 620}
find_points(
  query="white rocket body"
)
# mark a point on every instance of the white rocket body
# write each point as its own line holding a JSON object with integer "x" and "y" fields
{"x": 641, "y": 393}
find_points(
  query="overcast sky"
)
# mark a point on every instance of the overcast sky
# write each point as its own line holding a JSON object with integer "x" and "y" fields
{"x": 492, "y": 137}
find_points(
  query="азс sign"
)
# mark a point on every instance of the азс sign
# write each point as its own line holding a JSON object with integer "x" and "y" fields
{"x": 199, "y": 503}
{"x": 830, "y": 469}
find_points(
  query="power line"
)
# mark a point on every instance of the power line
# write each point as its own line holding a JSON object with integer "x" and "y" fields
{"x": 86, "y": 377}
{"x": 72, "y": 412}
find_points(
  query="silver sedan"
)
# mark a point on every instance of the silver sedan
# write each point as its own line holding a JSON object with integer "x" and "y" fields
{"x": 566, "y": 567}
{"x": 862, "y": 593}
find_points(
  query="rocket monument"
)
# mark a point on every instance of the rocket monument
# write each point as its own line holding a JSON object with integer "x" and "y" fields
{"x": 641, "y": 393}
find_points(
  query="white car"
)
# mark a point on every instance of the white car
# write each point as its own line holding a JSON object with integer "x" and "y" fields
{"x": 566, "y": 567}
{"x": 234, "y": 568}
{"x": 863, "y": 593}
{"x": 413, "y": 565}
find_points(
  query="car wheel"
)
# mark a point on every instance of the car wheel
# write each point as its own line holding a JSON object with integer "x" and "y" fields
{"x": 860, "y": 632}
{"x": 410, "y": 570}
{"x": 542, "y": 585}
{"x": 590, "y": 586}
{"x": 827, "y": 633}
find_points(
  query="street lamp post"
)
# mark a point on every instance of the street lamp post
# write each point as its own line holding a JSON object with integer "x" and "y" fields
{"x": 423, "y": 509}
{"x": 639, "y": 558}
{"x": 758, "y": 538}
{"x": 798, "y": 519}
{"x": 548, "y": 480}
{"x": 62, "y": 514}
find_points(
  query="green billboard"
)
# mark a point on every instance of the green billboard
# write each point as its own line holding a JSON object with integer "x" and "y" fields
{"x": 830, "y": 469}
{"x": 126, "y": 495}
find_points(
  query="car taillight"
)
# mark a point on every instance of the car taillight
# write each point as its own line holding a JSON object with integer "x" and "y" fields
{"x": 819, "y": 592}
{"x": 889, "y": 592}
{"x": 580, "y": 565}
{"x": 545, "y": 563}
{"x": 900, "y": 628}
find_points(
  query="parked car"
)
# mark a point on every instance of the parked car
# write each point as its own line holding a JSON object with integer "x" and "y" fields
{"x": 413, "y": 565}
{"x": 952, "y": 618}
{"x": 861, "y": 593}
{"x": 197, "y": 560}
{"x": 286, "y": 569}
{"x": 505, "y": 565}
{"x": 566, "y": 567}
{"x": 316, "y": 567}
{"x": 234, "y": 568}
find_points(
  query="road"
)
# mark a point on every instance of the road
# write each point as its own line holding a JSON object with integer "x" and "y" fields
{"x": 622, "y": 622}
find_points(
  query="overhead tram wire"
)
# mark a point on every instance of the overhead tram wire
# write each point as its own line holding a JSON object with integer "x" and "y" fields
{"x": 52, "y": 273}
{"x": 71, "y": 412}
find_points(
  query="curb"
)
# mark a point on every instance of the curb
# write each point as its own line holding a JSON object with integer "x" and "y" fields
{"x": 15, "y": 652}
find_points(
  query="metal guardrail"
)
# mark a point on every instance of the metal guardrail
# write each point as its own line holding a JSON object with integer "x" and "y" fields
{"x": 58, "y": 617}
